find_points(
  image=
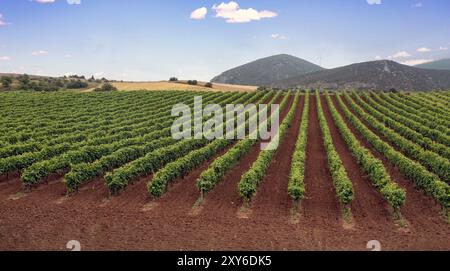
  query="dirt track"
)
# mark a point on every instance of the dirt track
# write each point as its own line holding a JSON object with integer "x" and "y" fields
{"x": 45, "y": 220}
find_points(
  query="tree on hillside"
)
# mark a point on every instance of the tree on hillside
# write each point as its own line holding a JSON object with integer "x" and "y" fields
{"x": 43, "y": 85}
{"x": 393, "y": 90}
{"x": 24, "y": 81}
{"x": 59, "y": 83}
{"x": 76, "y": 84}
{"x": 75, "y": 76}
{"x": 261, "y": 88}
{"x": 106, "y": 87}
{"x": 6, "y": 81}
{"x": 173, "y": 79}
{"x": 209, "y": 85}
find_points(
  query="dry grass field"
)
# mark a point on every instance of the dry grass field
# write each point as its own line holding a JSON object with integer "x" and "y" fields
{"x": 181, "y": 85}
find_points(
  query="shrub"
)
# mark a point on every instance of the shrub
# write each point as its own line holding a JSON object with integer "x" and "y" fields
{"x": 24, "y": 81}
{"x": 106, "y": 87}
{"x": 261, "y": 89}
{"x": 76, "y": 84}
{"x": 6, "y": 81}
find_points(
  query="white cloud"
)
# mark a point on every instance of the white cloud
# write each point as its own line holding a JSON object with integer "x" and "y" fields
{"x": 99, "y": 74}
{"x": 4, "y": 58}
{"x": 67, "y": 74}
{"x": 68, "y": 56}
{"x": 232, "y": 13}
{"x": 2, "y": 21}
{"x": 39, "y": 53}
{"x": 418, "y": 5}
{"x": 414, "y": 62}
{"x": 423, "y": 50}
{"x": 443, "y": 48}
{"x": 374, "y": 2}
{"x": 39, "y": 72}
{"x": 199, "y": 14}
{"x": 377, "y": 57}
{"x": 19, "y": 70}
{"x": 401, "y": 54}
{"x": 278, "y": 37}
{"x": 44, "y": 1}
{"x": 70, "y": 2}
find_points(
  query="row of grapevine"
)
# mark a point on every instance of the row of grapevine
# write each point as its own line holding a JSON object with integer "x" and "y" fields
{"x": 251, "y": 179}
{"x": 430, "y": 118}
{"x": 430, "y": 133}
{"x": 220, "y": 166}
{"x": 120, "y": 177}
{"x": 38, "y": 167}
{"x": 371, "y": 166}
{"x": 119, "y": 123}
{"x": 341, "y": 181}
{"x": 435, "y": 163}
{"x": 179, "y": 168}
{"x": 61, "y": 127}
{"x": 112, "y": 126}
{"x": 73, "y": 114}
{"x": 83, "y": 132}
{"x": 22, "y": 161}
{"x": 66, "y": 120}
{"x": 426, "y": 105}
{"x": 435, "y": 100}
{"x": 36, "y": 102}
{"x": 413, "y": 170}
{"x": 445, "y": 99}
{"x": 422, "y": 107}
{"x": 80, "y": 137}
{"x": 81, "y": 173}
{"x": 405, "y": 131}
{"x": 408, "y": 102}
{"x": 399, "y": 108}
{"x": 296, "y": 187}
{"x": 38, "y": 171}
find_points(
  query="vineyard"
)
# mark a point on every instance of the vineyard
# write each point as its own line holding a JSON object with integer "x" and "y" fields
{"x": 104, "y": 169}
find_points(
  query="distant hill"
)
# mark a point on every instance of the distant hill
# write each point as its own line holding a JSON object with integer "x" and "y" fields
{"x": 443, "y": 64}
{"x": 15, "y": 75}
{"x": 266, "y": 71}
{"x": 375, "y": 75}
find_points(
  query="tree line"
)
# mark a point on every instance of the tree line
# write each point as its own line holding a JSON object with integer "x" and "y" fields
{"x": 25, "y": 82}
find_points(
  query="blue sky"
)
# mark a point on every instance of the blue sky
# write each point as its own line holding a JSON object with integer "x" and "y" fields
{"x": 156, "y": 39}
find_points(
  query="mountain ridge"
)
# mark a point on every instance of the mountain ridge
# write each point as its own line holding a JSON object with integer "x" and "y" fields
{"x": 375, "y": 75}
{"x": 442, "y": 64}
{"x": 265, "y": 71}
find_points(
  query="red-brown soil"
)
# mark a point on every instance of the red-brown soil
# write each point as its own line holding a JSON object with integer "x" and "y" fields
{"x": 369, "y": 209}
{"x": 321, "y": 206}
{"x": 272, "y": 199}
{"x": 45, "y": 219}
{"x": 423, "y": 215}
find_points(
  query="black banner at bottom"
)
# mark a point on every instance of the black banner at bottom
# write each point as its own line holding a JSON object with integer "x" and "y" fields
{"x": 225, "y": 260}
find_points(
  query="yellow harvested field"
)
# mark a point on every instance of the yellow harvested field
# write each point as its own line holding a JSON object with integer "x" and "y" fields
{"x": 165, "y": 85}
{"x": 225, "y": 87}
